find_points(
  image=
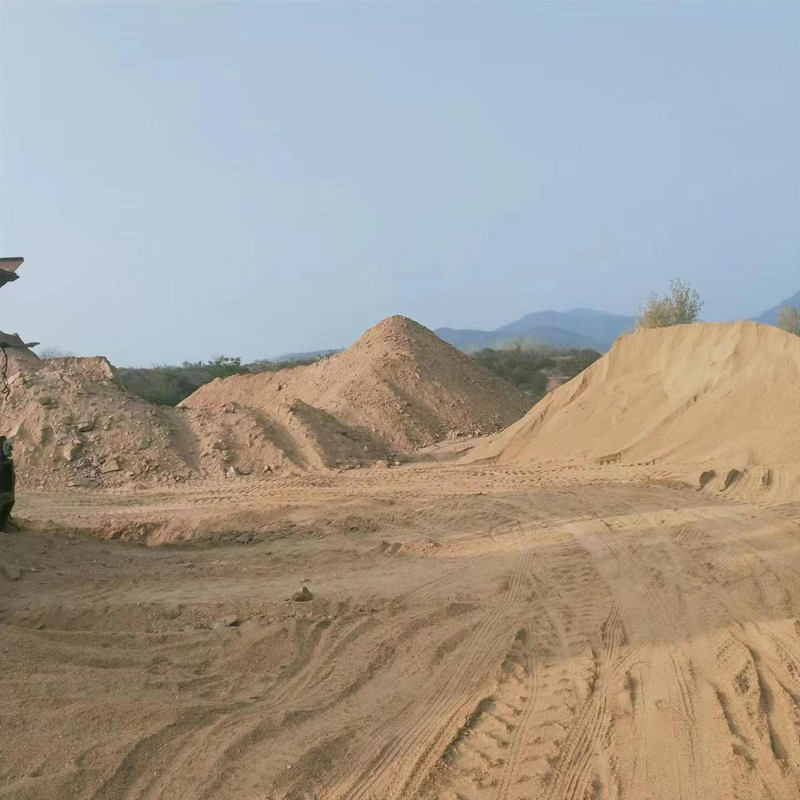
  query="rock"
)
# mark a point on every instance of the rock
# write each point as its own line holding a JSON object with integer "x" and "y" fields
{"x": 231, "y": 621}
{"x": 218, "y": 445}
{"x": 46, "y": 400}
{"x": 144, "y": 444}
{"x": 731, "y": 478}
{"x": 303, "y": 596}
{"x": 86, "y": 426}
{"x": 381, "y": 464}
{"x": 231, "y": 472}
{"x": 172, "y": 612}
{"x": 71, "y": 452}
{"x": 11, "y": 571}
{"x": 397, "y": 463}
{"x": 110, "y": 466}
{"x": 245, "y": 538}
{"x": 706, "y": 476}
{"x": 79, "y": 482}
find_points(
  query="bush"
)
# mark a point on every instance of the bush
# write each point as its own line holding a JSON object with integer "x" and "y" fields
{"x": 681, "y": 306}
{"x": 48, "y": 353}
{"x": 789, "y": 320}
{"x": 164, "y": 386}
{"x": 573, "y": 362}
{"x": 265, "y": 365}
{"x": 225, "y": 366}
{"x": 528, "y": 367}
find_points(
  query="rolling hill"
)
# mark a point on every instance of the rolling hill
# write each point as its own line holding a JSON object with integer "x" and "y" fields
{"x": 578, "y": 327}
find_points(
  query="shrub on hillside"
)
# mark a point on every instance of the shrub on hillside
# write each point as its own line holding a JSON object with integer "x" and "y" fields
{"x": 789, "y": 320}
{"x": 50, "y": 352}
{"x": 681, "y": 306}
{"x": 225, "y": 366}
{"x": 528, "y": 367}
{"x": 265, "y": 365}
{"x": 164, "y": 386}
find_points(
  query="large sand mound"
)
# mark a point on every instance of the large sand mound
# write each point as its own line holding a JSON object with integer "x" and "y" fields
{"x": 713, "y": 393}
{"x": 398, "y": 388}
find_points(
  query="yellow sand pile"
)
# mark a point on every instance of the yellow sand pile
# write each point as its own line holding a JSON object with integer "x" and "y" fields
{"x": 398, "y": 388}
{"x": 707, "y": 393}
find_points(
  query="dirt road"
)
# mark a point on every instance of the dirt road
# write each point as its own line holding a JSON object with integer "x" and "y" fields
{"x": 476, "y": 633}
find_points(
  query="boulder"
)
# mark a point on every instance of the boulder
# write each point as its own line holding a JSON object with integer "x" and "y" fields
{"x": 303, "y": 596}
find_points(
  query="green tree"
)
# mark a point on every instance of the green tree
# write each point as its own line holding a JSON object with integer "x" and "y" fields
{"x": 225, "y": 366}
{"x": 789, "y": 320}
{"x": 681, "y": 306}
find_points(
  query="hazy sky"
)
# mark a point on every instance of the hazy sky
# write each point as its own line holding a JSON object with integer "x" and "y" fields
{"x": 191, "y": 179}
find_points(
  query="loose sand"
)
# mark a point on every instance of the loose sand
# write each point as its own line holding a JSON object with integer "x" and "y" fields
{"x": 570, "y": 630}
{"x": 707, "y": 393}
{"x": 500, "y": 632}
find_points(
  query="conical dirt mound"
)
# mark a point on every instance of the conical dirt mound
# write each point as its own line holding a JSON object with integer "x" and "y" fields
{"x": 703, "y": 393}
{"x": 398, "y": 388}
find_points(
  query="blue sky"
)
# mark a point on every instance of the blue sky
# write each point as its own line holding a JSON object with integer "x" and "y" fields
{"x": 191, "y": 179}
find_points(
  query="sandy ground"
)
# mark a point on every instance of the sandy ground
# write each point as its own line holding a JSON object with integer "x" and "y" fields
{"x": 476, "y": 632}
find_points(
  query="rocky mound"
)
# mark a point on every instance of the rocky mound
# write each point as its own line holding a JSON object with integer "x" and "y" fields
{"x": 398, "y": 388}
{"x": 709, "y": 393}
{"x": 73, "y": 423}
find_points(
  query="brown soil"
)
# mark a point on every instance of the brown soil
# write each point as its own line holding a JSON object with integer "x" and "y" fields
{"x": 475, "y": 632}
{"x": 72, "y": 421}
{"x": 397, "y": 389}
{"x": 569, "y": 630}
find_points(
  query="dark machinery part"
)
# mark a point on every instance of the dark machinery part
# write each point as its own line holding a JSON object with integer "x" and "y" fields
{"x": 8, "y": 274}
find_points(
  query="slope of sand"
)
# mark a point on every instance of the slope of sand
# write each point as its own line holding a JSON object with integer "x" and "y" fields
{"x": 475, "y": 633}
{"x": 707, "y": 393}
{"x": 398, "y": 388}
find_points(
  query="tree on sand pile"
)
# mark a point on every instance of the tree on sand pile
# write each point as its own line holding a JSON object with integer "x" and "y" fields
{"x": 681, "y": 306}
{"x": 225, "y": 366}
{"x": 789, "y": 320}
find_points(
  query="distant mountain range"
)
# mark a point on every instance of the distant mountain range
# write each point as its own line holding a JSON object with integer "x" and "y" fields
{"x": 770, "y": 317}
{"x": 578, "y": 327}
